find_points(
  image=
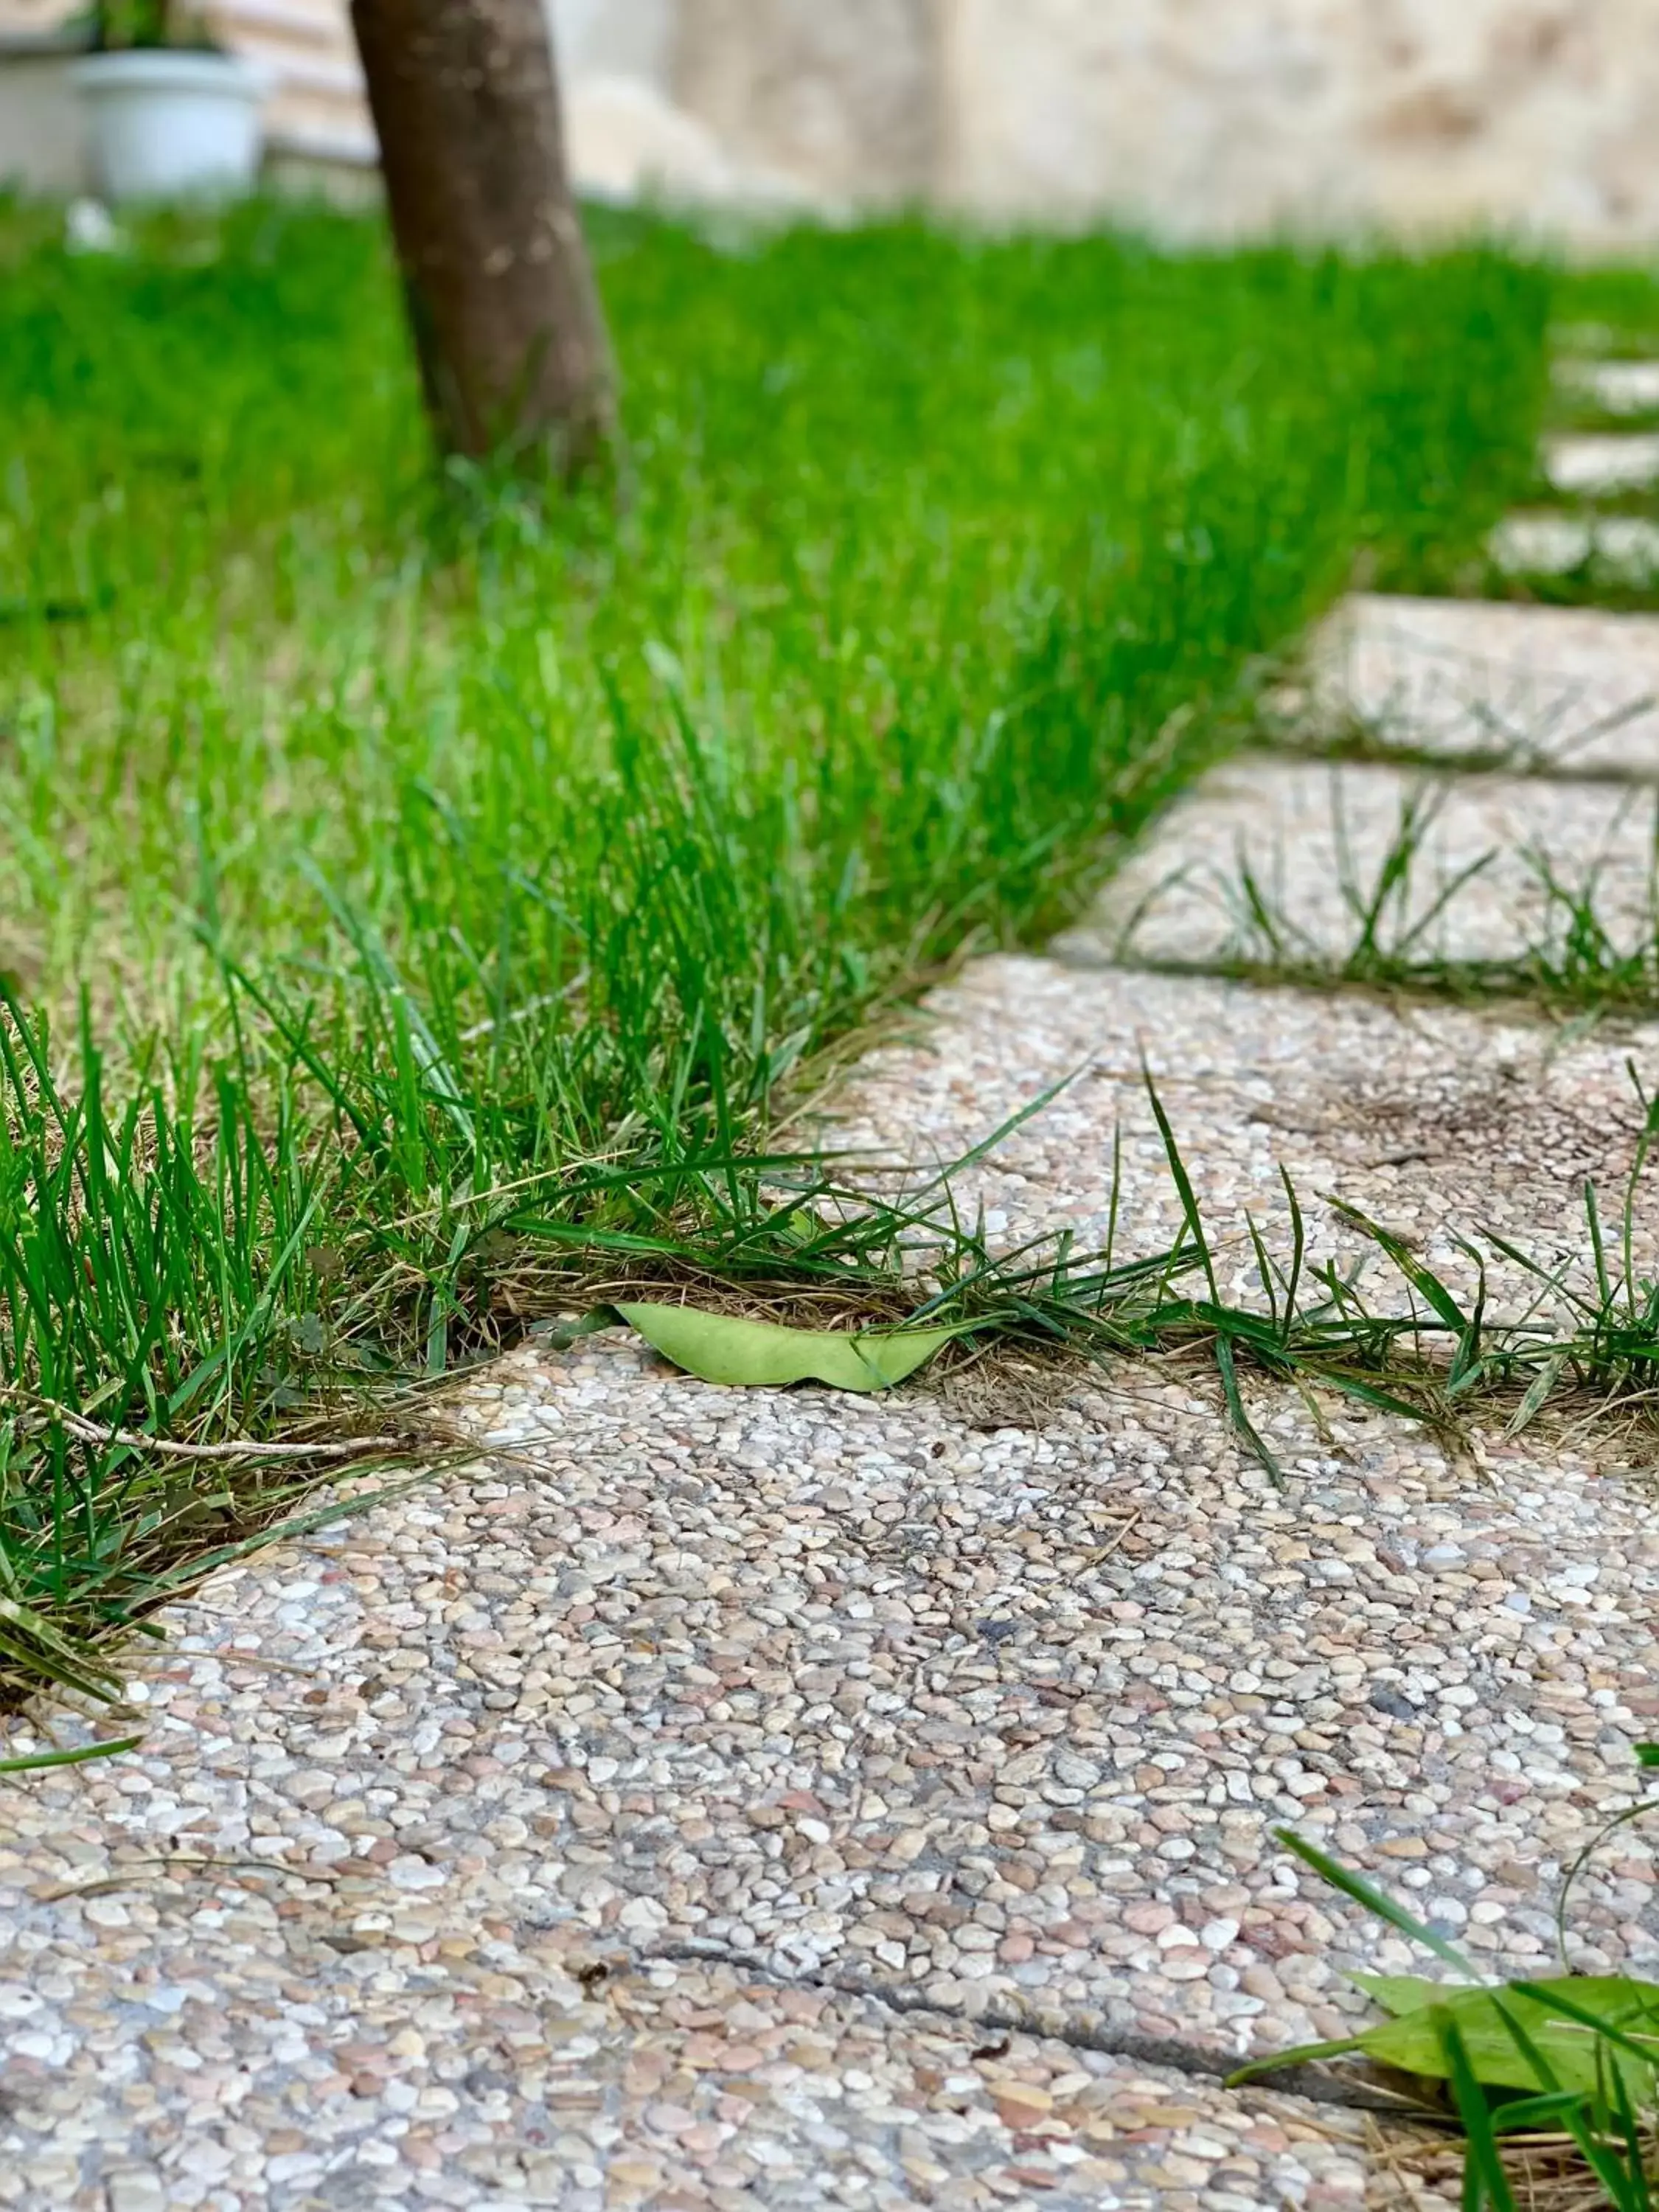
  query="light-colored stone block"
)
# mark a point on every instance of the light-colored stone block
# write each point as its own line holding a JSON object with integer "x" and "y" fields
{"x": 1594, "y": 465}
{"x": 1570, "y": 686}
{"x": 1622, "y": 387}
{"x": 1439, "y": 1121}
{"x": 844, "y": 100}
{"x": 626, "y": 143}
{"x": 42, "y": 145}
{"x": 1216, "y": 117}
{"x": 1622, "y": 549}
{"x": 615, "y": 38}
{"x": 1270, "y": 858}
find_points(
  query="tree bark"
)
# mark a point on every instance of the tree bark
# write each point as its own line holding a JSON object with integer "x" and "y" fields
{"x": 505, "y": 313}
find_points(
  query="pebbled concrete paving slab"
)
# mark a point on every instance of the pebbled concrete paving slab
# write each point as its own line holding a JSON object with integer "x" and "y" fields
{"x": 1498, "y": 863}
{"x": 1442, "y": 1122}
{"x": 1599, "y": 463}
{"x": 773, "y": 1799}
{"x": 1622, "y": 387}
{"x": 1615, "y": 548}
{"x": 1571, "y": 687}
{"x": 214, "y": 2050}
{"x": 832, "y": 1700}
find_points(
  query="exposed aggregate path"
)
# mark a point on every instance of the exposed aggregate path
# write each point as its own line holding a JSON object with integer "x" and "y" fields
{"x": 771, "y": 1800}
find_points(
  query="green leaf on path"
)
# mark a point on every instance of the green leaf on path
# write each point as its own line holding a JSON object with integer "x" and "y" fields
{"x": 764, "y": 1354}
{"x": 1578, "y": 2058}
{"x": 1399, "y": 1994}
{"x": 1575, "y": 2056}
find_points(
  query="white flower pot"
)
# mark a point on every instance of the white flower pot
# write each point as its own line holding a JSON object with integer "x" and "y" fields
{"x": 172, "y": 125}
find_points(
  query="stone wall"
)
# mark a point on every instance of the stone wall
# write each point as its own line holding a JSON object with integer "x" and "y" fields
{"x": 844, "y": 97}
{"x": 1217, "y": 116}
{"x": 1201, "y": 119}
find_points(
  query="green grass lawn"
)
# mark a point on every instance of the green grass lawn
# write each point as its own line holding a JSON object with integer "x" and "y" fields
{"x": 1615, "y": 308}
{"x": 408, "y": 889}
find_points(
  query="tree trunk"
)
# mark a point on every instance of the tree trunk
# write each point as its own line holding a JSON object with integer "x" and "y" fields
{"x": 506, "y": 316}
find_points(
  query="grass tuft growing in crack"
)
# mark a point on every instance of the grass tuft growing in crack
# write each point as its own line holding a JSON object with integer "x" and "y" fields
{"x": 1588, "y": 935}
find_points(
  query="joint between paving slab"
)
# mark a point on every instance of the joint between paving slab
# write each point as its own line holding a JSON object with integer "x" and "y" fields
{"x": 1489, "y": 989}
{"x": 1519, "y": 764}
{"x": 1475, "y": 996}
{"x": 1175, "y": 2054}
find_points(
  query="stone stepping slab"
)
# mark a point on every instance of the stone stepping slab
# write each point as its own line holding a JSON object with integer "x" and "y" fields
{"x": 1315, "y": 839}
{"x": 792, "y": 1712}
{"x": 864, "y": 1693}
{"x": 1622, "y": 387}
{"x": 1571, "y": 687}
{"x": 1618, "y": 548}
{"x": 489, "y": 2073}
{"x": 1442, "y": 1123}
{"x": 1601, "y": 464}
